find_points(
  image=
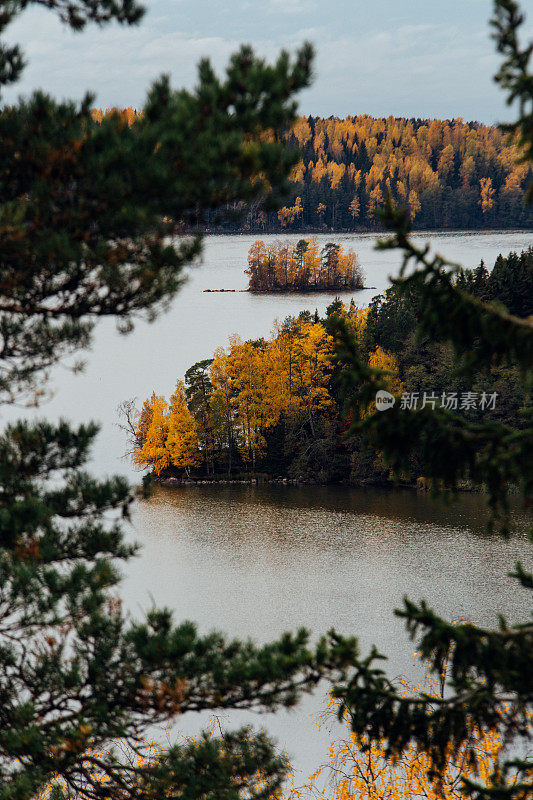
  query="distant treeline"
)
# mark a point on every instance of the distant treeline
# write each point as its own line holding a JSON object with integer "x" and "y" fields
{"x": 302, "y": 266}
{"x": 448, "y": 173}
{"x": 272, "y": 406}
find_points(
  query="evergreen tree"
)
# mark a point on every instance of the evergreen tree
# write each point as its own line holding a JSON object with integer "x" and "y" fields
{"x": 490, "y": 670}
{"x": 511, "y": 283}
{"x": 90, "y": 218}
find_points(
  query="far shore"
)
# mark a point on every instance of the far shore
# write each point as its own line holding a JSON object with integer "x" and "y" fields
{"x": 359, "y": 232}
{"x": 317, "y": 290}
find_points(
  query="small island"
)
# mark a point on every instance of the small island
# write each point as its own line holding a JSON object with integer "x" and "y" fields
{"x": 271, "y": 408}
{"x": 302, "y": 267}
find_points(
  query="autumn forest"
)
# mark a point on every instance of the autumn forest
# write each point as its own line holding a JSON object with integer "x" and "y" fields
{"x": 450, "y": 174}
{"x": 207, "y": 525}
{"x": 273, "y": 407}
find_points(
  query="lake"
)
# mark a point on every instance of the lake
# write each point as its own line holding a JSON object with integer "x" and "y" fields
{"x": 255, "y": 561}
{"x": 155, "y": 355}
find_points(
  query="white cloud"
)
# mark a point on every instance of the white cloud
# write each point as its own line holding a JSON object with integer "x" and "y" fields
{"x": 384, "y": 64}
{"x": 119, "y": 63}
{"x": 422, "y": 70}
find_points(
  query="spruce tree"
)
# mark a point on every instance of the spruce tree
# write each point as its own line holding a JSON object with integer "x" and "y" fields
{"x": 490, "y": 671}
{"x": 92, "y": 217}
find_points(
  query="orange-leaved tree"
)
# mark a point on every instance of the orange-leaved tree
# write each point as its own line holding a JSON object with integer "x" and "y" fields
{"x": 151, "y": 449}
{"x": 182, "y": 434}
{"x": 302, "y": 266}
{"x": 360, "y": 768}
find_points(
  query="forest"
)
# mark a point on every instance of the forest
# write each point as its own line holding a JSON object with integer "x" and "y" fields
{"x": 92, "y": 212}
{"x": 271, "y": 408}
{"x": 450, "y": 174}
{"x": 301, "y": 266}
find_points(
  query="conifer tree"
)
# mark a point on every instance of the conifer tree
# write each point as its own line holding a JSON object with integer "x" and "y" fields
{"x": 491, "y": 679}
{"x": 90, "y": 217}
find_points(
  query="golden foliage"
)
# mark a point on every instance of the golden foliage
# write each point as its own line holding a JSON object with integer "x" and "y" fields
{"x": 182, "y": 435}
{"x": 302, "y": 266}
{"x": 152, "y": 434}
{"x": 301, "y": 130}
{"x": 288, "y": 216}
{"x": 370, "y": 158}
{"x": 128, "y": 115}
{"x": 354, "y": 207}
{"x": 253, "y": 384}
{"x": 358, "y": 768}
{"x": 166, "y": 434}
{"x": 246, "y": 389}
{"x": 383, "y": 360}
{"x": 414, "y": 162}
{"x": 487, "y": 195}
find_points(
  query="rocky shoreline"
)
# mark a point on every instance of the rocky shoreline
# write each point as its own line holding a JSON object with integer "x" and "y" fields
{"x": 419, "y": 485}
{"x": 225, "y": 481}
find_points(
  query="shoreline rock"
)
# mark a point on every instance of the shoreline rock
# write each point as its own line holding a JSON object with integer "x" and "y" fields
{"x": 418, "y": 486}
{"x": 174, "y": 482}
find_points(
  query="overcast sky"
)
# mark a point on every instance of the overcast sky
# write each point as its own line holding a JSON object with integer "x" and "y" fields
{"x": 413, "y": 58}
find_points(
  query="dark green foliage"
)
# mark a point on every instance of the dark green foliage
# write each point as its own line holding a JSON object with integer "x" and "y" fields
{"x": 315, "y": 456}
{"x": 490, "y": 675}
{"x": 392, "y": 318}
{"x": 213, "y": 768}
{"x": 514, "y": 75}
{"x": 482, "y": 335}
{"x": 75, "y": 674}
{"x": 76, "y": 240}
{"x": 510, "y": 283}
{"x": 84, "y": 233}
{"x": 198, "y": 393}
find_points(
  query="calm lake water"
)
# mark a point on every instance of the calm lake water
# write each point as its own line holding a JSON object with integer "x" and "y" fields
{"x": 155, "y": 355}
{"x": 255, "y": 561}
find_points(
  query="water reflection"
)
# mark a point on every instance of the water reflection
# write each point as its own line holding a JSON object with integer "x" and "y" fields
{"x": 394, "y": 504}
{"x": 255, "y": 561}
{"x": 287, "y": 545}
